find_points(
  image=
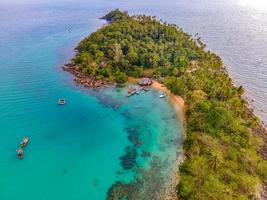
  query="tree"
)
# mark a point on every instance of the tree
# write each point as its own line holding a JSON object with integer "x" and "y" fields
{"x": 120, "y": 77}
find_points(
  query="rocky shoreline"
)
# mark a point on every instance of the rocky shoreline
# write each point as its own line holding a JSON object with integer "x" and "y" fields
{"x": 85, "y": 80}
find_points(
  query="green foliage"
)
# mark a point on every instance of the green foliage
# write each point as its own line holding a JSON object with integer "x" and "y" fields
{"x": 120, "y": 77}
{"x": 134, "y": 44}
{"x": 222, "y": 160}
{"x": 175, "y": 85}
{"x": 115, "y": 15}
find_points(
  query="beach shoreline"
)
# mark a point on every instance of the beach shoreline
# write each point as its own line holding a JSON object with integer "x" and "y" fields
{"x": 178, "y": 104}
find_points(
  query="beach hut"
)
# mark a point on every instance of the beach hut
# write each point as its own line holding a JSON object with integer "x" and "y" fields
{"x": 145, "y": 82}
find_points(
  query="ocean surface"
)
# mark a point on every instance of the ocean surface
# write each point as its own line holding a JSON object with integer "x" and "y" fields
{"x": 77, "y": 151}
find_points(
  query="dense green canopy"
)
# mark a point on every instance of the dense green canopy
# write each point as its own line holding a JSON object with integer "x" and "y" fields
{"x": 133, "y": 45}
{"x": 221, "y": 151}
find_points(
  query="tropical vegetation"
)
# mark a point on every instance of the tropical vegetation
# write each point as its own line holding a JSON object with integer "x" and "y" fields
{"x": 222, "y": 160}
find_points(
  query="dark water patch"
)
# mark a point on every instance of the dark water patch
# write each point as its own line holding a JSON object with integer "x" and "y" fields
{"x": 128, "y": 161}
{"x": 110, "y": 102}
{"x": 169, "y": 118}
{"x": 151, "y": 184}
{"x": 119, "y": 172}
{"x": 145, "y": 154}
{"x": 127, "y": 114}
{"x": 95, "y": 182}
{"x": 106, "y": 100}
{"x": 134, "y": 136}
{"x": 122, "y": 191}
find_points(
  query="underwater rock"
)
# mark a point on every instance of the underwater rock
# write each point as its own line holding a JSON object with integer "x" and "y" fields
{"x": 145, "y": 154}
{"x": 127, "y": 114}
{"x": 150, "y": 185}
{"x": 133, "y": 137}
{"x": 122, "y": 191}
{"x": 95, "y": 182}
{"x": 128, "y": 161}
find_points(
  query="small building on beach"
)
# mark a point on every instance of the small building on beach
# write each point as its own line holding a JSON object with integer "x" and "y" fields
{"x": 145, "y": 82}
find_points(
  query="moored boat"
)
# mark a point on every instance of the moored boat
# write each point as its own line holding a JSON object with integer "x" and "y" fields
{"x": 20, "y": 153}
{"x": 131, "y": 91}
{"x": 61, "y": 101}
{"x": 162, "y": 95}
{"x": 24, "y": 141}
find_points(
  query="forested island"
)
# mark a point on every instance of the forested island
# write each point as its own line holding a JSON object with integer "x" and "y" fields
{"x": 224, "y": 155}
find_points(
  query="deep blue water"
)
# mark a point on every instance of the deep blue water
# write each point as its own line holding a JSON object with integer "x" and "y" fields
{"x": 75, "y": 150}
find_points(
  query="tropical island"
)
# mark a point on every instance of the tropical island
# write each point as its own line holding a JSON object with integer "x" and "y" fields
{"x": 225, "y": 155}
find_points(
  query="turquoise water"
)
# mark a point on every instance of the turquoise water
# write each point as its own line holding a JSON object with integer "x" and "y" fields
{"x": 75, "y": 151}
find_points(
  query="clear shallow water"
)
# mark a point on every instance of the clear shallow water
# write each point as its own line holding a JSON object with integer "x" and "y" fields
{"x": 74, "y": 150}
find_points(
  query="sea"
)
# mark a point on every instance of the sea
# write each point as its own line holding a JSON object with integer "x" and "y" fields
{"x": 100, "y": 138}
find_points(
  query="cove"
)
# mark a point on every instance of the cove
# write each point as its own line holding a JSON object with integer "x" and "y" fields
{"x": 75, "y": 151}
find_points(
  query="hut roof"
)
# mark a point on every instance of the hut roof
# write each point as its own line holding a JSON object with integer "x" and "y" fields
{"x": 145, "y": 81}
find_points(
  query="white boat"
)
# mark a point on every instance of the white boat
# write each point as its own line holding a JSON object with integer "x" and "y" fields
{"x": 24, "y": 142}
{"x": 61, "y": 101}
{"x": 162, "y": 95}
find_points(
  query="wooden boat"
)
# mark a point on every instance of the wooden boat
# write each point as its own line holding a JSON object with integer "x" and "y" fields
{"x": 131, "y": 91}
{"x": 20, "y": 153}
{"x": 131, "y": 94}
{"x": 61, "y": 102}
{"x": 24, "y": 141}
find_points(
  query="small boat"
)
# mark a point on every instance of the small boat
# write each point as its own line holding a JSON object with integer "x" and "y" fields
{"x": 131, "y": 91}
{"x": 20, "y": 153}
{"x": 61, "y": 101}
{"x": 137, "y": 92}
{"x": 24, "y": 141}
{"x": 146, "y": 89}
{"x": 162, "y": 95}
{"x": 131, "y": 94}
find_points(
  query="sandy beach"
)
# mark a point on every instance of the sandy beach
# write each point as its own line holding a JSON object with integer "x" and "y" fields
{"x": 176, "y": 101}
